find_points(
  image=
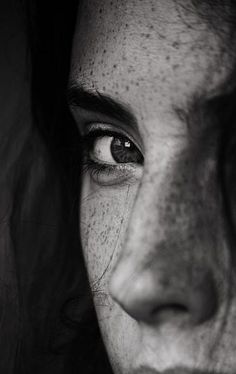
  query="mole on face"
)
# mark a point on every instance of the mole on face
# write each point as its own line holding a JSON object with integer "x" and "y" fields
{"x": 152, "y": 227}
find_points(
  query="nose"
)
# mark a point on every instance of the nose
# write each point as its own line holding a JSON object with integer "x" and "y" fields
{"x": 155, "y": 294}
{"x": 166, "y": 269}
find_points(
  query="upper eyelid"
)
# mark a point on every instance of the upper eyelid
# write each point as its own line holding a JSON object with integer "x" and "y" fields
{"x": 112, "y": 130}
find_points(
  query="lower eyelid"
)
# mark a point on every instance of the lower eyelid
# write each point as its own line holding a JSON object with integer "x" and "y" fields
{"x": 111, "y": 175}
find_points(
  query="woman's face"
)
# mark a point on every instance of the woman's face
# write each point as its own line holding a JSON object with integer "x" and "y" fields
{"x": 145, "y": 76}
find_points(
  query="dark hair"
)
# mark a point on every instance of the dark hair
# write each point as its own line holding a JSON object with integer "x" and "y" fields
{"x": 55, "y": 328}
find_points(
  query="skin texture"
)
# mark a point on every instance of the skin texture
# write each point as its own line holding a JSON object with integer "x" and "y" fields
{"x": 155, "y": 242}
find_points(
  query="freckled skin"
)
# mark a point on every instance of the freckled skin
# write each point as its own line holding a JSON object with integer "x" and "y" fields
{"x": 162, "y": 241}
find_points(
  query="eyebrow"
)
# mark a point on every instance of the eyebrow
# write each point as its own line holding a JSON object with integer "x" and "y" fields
{"x": 94, "y": 101}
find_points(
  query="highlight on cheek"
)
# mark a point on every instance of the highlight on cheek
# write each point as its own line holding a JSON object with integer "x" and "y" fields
{"x": 111, "y": 158}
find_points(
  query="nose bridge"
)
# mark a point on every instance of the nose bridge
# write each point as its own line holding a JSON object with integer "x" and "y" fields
{"x": 162, "y": 264}
{"x": 165, "y": 216}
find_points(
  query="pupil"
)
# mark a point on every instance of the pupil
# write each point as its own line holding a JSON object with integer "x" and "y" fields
{"x": 124, "y": 151}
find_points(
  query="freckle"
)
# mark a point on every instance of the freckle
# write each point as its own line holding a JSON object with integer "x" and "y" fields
{"x": 104, "y": 51}
{"x": 114, "y": 66}
{"x": 175, "y": 44}
{"x": 147, "y": 35}
{"x": 167, "y": 58}
{"x": 100, "y": 10}
{"x": 91, "y": 72}
{"x": 175, "y": 66}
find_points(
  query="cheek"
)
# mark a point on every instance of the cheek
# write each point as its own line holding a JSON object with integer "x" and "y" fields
{"x": 105, "y": 214}
{"x": 104, "y": 217}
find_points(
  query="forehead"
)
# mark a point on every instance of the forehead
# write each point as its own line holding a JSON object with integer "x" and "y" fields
{"x": 149, "y": 52}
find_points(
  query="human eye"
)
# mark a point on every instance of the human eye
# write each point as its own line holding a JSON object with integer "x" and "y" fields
{"x": 111, "y": 157}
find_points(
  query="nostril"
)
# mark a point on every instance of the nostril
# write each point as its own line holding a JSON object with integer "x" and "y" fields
{"x": 175, "y": 307}
{"x": 170, "y": 311}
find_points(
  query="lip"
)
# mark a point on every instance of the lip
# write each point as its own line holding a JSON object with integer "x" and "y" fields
{"x": 176, "y": 370}
{"x": 144, "y": 370}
